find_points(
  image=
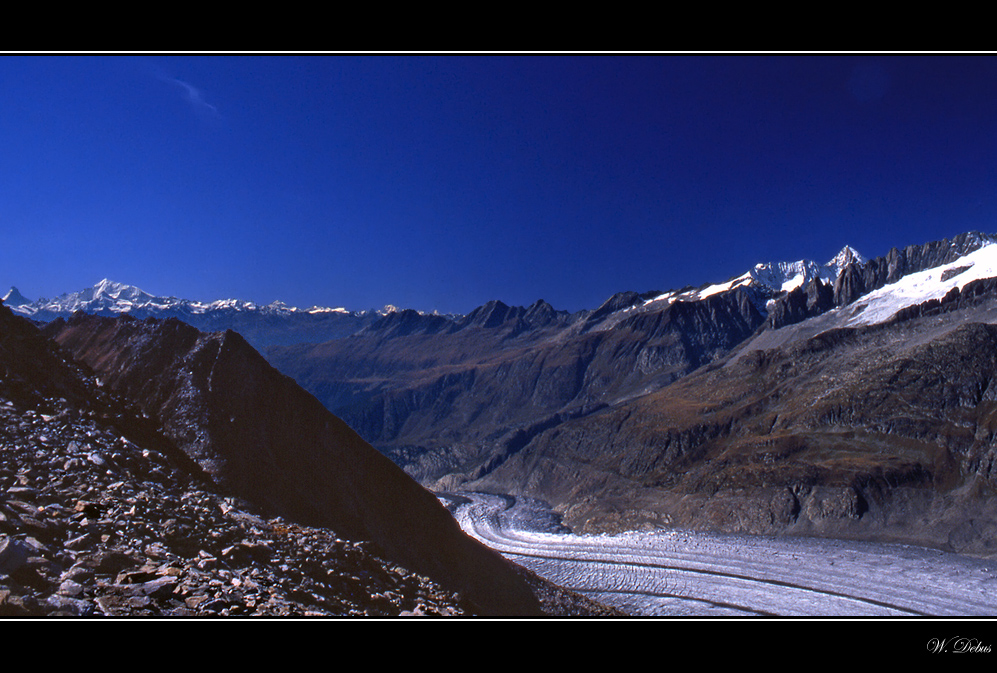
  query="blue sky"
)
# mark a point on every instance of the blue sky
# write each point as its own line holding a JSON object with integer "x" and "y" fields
{"x": 441, "y": 182}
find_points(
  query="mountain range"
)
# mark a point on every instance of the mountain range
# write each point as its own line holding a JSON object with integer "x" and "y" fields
{"x": 854, "y": 398}
{"x": 622, "y": 416}
{"x": 262, "y": 325}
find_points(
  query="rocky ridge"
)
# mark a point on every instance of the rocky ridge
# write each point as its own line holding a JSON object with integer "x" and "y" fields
{"x": 859, "y": 276}
{"x": 101, "y": 515}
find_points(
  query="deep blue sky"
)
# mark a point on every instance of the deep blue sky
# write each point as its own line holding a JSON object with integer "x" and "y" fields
{"x": 441, "y": 182}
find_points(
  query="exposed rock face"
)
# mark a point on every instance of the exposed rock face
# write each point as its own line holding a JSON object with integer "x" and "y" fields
{"x": 882, "y": 432}
{"x": 859, "y": 277}
{"x": 856, "y": 280}
{"x": 261, "y": 438}
{"x": 619, "y": 301}
{"x": 801, "y": 303}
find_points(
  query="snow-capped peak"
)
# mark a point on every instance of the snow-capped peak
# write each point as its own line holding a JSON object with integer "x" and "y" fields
{"x": 787, "y": 276}
{"x": 110, "y": 290}
{"x": 847, "y": 256}
{"x": 277, "y": 306}
{"x": 326, "y": 309}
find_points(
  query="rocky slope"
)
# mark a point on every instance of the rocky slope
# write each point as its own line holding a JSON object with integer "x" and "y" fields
{"x": 884, "y": 431}
{"x": 458, "y": 397}
{"x": 110, "y": 506}
{"x": 92, "y": 524}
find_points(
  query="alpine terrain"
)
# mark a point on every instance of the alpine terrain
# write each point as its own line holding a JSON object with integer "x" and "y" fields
{"x": 852, "y": 399}
{"x": 855, "y": 398}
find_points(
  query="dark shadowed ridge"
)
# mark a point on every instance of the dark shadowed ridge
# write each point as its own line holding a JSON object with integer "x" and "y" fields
{"x": 261, "y": 437}
{"x": 448, "y": 404}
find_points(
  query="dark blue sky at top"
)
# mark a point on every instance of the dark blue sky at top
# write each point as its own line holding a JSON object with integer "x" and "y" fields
{"x": 441, "y": 182}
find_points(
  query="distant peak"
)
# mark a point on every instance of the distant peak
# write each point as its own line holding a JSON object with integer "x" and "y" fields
{"x": 14, "y": 297}
{"x": 109, "y": 289}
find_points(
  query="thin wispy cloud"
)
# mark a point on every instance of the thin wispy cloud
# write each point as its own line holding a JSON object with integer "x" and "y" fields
{"x": 194, "y": 96}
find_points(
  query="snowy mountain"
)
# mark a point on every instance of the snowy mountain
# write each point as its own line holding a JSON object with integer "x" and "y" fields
{"x": 772, "y": 278}
{"x": 915, "y": 288}
{"x": 111, "y": 298}
{"x": 787, "y": 276}
{"x": 263, "y": 325}
{"x": 847, "y": 255}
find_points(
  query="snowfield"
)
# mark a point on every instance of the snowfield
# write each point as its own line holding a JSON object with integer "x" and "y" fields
{"x": 693, "y": 574}
{"x": 880, "y": 305}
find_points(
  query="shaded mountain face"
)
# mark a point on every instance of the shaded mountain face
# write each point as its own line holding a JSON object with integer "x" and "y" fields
{"x": 14, "y": 298}
{"x": 457, "y": 397}
{"x": 258, "y": 436}
{"x": 883, "y": 431}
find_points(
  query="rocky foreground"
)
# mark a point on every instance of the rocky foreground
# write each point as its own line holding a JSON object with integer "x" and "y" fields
{"x": 91, "y": 524}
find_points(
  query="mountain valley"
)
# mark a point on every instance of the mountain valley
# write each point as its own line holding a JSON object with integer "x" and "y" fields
{"x": 855, "y": 399}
